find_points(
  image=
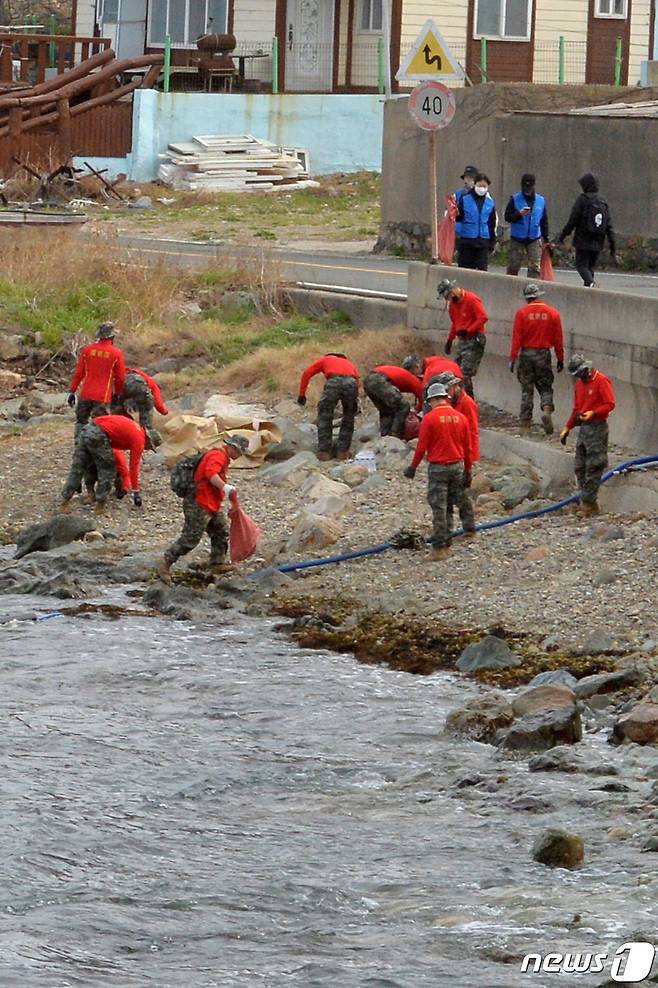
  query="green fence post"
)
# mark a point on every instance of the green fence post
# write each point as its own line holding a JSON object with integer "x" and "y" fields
{"x": 483, "y": 60}
{"x": 167, "y": 62}
{"x": 563, "y": 61}
{"x": 275, "y": 66}
{"x": 52, "y": 50}
{"x": 618, "y": 61}
{"x": 381, "y": 68}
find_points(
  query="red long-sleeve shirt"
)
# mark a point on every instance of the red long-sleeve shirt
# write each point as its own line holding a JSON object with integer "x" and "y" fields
{"x": 100, "y": 370}
{"x": 122, "y": 468}
{"x": 469, "y": 409}
{"x": 537, "y": 326}
{"x": 403, "y": 379}
{"x": 209, "y": 497}
{"x": 444, "y": 438}
{"x": 330, "y": 366}
{"x": 125, "y": 434}
{"x": 158, "y": 400}
{"x": 596, "y": 395}
{"x": 437, "y": 365}
{"x": 467, "y": 316}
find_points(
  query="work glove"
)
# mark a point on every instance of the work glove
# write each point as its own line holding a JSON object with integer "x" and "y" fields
{"x": 564, "y": 435}
{"x": 229, "y": 490}
{"x": 121, "y": 493}
{"x": 301, "y": 400}
{"x": 560, "y": 366}
{"x": 586, "y": 416}
{"x": 137, "y": 499}
{"x": 410, "y": 472}
{"x": 448, "y": 347}
{"x": 468, "y": 478}
{"x": 511, "y": 366}
{"x": 71, "y": 399}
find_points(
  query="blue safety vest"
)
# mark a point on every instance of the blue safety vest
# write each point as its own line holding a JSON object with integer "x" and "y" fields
{"x": 459, "y": 194}
{"x": 528, "y": 227}
{"x": 476, "y": 221}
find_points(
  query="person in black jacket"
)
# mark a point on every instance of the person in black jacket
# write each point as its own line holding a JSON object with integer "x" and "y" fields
{"x": 590, "y": 219}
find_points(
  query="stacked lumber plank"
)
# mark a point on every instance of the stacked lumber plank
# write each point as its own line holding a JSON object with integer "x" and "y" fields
{"x": 233, "y": 163}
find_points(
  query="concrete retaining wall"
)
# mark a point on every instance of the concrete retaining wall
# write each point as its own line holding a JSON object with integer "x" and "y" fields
{"x": 618, "y": 332}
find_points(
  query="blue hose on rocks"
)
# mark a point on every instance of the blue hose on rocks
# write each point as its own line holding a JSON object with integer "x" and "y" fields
{"x": 640, "y": 463}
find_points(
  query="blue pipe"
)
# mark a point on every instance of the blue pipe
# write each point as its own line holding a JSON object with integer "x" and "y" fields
{"x": 640, "y": 463}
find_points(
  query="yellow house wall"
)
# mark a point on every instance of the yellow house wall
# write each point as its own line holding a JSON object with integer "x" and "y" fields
{"x": 451, "y": 18}
{"x": 640, "y": 33}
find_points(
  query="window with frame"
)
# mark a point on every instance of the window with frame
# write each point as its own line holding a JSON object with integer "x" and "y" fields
{"x": 611, "y": 8}
{"x": 372, "y": 18}
{"x": 186, "y": 20}
{"x": 506, "y": 19}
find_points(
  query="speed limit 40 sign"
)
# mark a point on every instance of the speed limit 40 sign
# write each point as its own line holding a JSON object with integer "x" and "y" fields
{"x": 432, "y": 105}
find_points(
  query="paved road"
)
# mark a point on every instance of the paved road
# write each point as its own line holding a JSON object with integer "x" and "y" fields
{"x": 366, "y": 272}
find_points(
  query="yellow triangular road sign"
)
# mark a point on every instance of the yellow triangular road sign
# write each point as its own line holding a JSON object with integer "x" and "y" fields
{"x": 429, "y": 58}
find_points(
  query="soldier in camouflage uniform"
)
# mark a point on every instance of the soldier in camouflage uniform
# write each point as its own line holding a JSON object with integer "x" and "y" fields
{"x": 537, "y": 330}
{"x": 93, "y": 460}
{"x": 444, "y": 439}
{"x": 342, "y": 385}
{"x": 594, "y": 399}
{"x": 141, "y": 394}
{"x": 99, "y": 372}
{"x": 468, "y": 322}
{"x": 203, "y": 508}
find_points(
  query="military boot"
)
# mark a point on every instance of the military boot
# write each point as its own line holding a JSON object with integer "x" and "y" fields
{"x": 589, "y": 508}
{"x": 439, "y": 553}
{"x": 525, "y": 425}
{"x": 546, "y": 419}
{"x": 324, "y": 455}
{"x": 343, "y": 454}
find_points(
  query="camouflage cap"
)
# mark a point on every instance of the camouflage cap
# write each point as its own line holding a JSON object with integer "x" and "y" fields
{"x": 578, "y": 363}
{"x": 444, "y": 287}
{"x": 241, "y": 443}
{"x": 106, "y": 331}
{"x": 410, "y": 362}
{"x": 437, "y": 391}
{"x": 532, "y": 290}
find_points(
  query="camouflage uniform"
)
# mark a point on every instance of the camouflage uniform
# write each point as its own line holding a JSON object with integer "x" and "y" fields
{"x": 519, "y": 253}
{"x": 92, "y": 455}
{"x": 137, "y": 395}
{"x": 534, "y": 370}
{"x": 345, "y": 390}
{"x": 198, "y": 521}
{"x": 470, "y": 350}
{"x": 445, "y": 483}
{"x": 465, "y": 507}
{"x": 389, "y": 401}
{"x": 87, "y": 409}
{"x": 591, "y": 458}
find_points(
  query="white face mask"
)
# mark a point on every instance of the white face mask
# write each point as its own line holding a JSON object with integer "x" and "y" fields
{"x": 481, "y": 190}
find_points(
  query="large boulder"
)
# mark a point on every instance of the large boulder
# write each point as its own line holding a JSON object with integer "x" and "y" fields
{"x": 480, "y": 718}
{"x": 609, "y": 682}
{"x": 489, "y": 653}
{"x": 562, "y": 676}
{"x": 316, "y": 485}
{"x": 314, "y": 532}
{"x": 515, "y": 483}
{"x": 639, "y": 725}
{"x": 329, "y": 504}
{"x": 558, "y": 849}
{"x": 294, "y": 439}
{"x": 538, "y": 699}
{"x": 292, "y": 472}
{"x": 11, "y": 347}
{"x": 539, "y": 732}
{"x": 58, "y": 530}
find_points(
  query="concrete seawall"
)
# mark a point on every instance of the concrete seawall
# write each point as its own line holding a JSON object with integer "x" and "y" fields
{"x": 618, "y": 332}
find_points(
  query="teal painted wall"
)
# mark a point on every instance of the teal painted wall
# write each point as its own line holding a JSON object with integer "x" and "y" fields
{"x": 342, "y": 133}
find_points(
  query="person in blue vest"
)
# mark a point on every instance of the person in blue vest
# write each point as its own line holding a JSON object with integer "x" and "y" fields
{"x": 528, "y": 219}
{"x": 468, "y": 178}
{"x": 477, "y": 223}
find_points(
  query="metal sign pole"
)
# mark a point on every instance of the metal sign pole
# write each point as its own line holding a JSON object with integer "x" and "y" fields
{"x": 434, "y": 196}
{"x": 386, "y": 18}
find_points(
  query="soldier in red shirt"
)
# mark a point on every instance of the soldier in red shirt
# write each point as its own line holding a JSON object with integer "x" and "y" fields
{"x": 468, "y": 323}
{"x": 94, "y": 456}
{"x": 142, "y": 394}
{"x": 202, "y": 508}
{"x": 444, "y": 439}
{"x": 386, "y": 386}
{"x": 594, "y": 399}
{"x": 537, "y": 331}
{"x": 342, "y": 385}
{"x": 469, "y": 409}
{"x": 99, "y": 373}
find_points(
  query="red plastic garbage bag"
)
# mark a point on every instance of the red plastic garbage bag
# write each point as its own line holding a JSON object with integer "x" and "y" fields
{"x": 447, "y": 232}
{"x": 411, "y": 427}
{"x": 546, "y": 272}
{"x": 243, "y": 535}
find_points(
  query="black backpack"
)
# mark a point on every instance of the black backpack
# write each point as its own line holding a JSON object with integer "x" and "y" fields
{"x": 182, "y": 475}
{"x": 597, "y": 215}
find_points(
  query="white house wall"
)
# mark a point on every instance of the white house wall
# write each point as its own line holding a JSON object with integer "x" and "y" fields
{"x": 555, "y": 18}
{"x": 253, "y": 26}
{"x": 450, "y": 16}
{"x": 86, "y": 18}
{"x": 640, "y": 31}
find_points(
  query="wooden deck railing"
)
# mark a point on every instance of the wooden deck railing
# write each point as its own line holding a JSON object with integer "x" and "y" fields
{"x": 34, "y": 53}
